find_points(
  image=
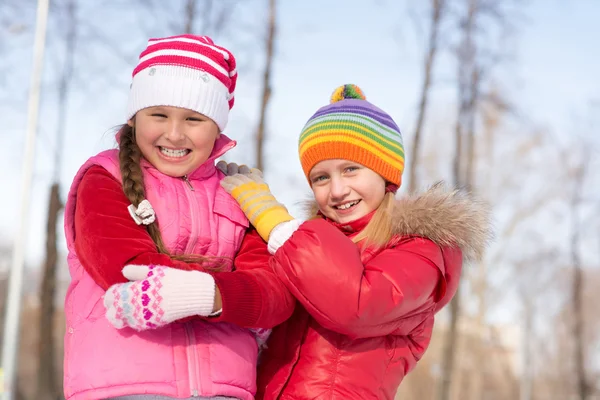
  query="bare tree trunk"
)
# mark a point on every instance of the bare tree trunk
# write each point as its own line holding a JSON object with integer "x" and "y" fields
{"x": 466, "y": 107}
{"x": 266, "y": 94}
{"x": 480, "y": 285}
{"x": 437, "y": 9}
{"x": 526, "y": 388}
{"x": 472, "y": 114}
{"x": 577, "y": 289}
{"x": 458, "y": 152}
{"x": 190, "y": 15}
{"x": 47, "y": 382}
{"x": 449, "y": 349}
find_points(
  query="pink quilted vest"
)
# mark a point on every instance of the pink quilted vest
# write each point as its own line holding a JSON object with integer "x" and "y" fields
{"x": 181, "y": 360}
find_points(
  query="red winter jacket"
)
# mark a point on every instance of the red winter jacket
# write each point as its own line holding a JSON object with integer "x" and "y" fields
{"x": 365, "y": 317}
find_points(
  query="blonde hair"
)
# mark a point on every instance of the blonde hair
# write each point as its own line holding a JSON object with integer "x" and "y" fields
{"x": 380, "y": 229}
{"x": 130, "y": 156}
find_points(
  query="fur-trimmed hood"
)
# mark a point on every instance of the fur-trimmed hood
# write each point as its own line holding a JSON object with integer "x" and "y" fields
{"x": 445, "y": 216}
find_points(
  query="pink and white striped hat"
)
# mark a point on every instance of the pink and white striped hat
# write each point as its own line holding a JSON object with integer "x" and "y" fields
{"x": 186, "y": 71}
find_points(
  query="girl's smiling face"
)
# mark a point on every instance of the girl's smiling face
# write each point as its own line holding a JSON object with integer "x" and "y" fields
{"x": 345, "y": 190}
{"x": 176, "y": 141}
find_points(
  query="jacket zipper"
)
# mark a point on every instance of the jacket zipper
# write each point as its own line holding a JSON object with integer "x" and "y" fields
{"x": 185, "y": 178}
{"x": 192, "y": 353}
{"x": 194, "y": 217}
{"x": 192, "y": 357}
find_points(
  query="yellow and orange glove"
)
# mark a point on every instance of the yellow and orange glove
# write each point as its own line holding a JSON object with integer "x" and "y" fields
{"x": 256, "y": 200}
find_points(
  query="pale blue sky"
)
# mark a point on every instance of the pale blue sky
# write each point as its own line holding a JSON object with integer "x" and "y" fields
{"x": 322, "y": 45}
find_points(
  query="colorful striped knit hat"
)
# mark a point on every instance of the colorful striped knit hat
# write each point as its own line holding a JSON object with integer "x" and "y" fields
{"x": 186, "y": 71}
{"x": 351, "y": 128}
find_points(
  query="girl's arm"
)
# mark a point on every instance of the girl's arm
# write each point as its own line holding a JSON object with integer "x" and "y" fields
{"x": 391, "y": 294}
{"x": 106, "y": 237}
{"x": 252, "y": 296}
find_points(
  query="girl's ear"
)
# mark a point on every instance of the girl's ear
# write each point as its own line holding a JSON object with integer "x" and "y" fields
{"x": 130, "y": 122}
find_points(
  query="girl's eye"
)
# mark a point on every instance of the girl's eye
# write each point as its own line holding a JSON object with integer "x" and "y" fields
{"x": 159, "y": 115}
{"x": 318, "y": 179}
{"x": 351, "y": 169}
{"x": 195, "y": 119}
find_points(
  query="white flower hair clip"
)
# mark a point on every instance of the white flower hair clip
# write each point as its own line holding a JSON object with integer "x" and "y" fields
{"x": 143, "y": 214}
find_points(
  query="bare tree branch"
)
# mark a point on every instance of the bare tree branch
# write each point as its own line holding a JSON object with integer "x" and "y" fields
{"x": 579, "y": 173}
{"x": 437, "y": 11}
{"x": 266, "y": 94}
{"x": 190, "y": 15}
{"x": 47, "y": 384}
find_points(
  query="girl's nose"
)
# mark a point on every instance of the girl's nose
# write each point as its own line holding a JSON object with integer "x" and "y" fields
{"x": 175, "y": 133}
{"x": 338, "y": 188}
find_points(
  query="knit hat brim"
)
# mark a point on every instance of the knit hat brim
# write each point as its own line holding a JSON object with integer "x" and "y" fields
{"x": 177, "y": 86}
{"x": 387, "y": 168}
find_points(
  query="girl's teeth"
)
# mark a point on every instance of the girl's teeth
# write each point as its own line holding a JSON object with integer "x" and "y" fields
{"x": 347, "y": 205}
{"x": 174, "y": 153}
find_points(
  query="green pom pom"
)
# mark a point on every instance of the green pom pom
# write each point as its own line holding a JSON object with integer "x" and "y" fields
{"x": 348, "y": 91}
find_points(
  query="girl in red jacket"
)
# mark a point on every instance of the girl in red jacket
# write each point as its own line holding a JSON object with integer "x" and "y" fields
{"x": 369, "y": 271}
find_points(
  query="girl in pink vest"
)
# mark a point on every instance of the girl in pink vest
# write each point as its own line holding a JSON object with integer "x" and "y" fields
{"x": 157, "y": 202}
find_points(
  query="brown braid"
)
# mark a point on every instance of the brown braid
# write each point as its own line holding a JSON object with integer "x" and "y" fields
{"x": 133, "y": 186}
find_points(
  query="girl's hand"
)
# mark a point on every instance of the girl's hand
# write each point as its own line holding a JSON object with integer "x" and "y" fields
{"x": 230, "y": 169}
{"x": 157, "y": 296}
{"x": 256, "y": 200}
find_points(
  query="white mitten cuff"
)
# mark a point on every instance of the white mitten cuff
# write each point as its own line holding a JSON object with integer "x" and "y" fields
{"x": 281, "y": 233}
{"x": 193, "y": 295}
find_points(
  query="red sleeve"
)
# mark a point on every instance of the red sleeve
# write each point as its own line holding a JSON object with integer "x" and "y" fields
{"x": 252, "y": 295}
{"x": 106, "y": 237}
{"x": 392, "y": 293}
